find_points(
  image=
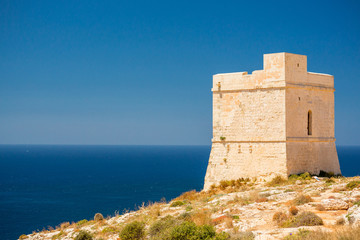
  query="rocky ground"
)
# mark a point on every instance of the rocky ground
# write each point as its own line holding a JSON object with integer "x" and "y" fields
{"x": 262, "y": 210}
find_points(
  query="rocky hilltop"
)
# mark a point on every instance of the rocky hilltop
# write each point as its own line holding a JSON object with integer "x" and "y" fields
{"x": 302, "y": 207}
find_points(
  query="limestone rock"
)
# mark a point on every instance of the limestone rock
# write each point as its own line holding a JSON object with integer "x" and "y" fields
{"x": 334, "y": 204}
{"x": 353, "y": 216}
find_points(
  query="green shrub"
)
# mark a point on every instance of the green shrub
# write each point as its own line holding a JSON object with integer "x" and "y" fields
{"x": 305, "y": 176}
{"x": 81, "y": 222}
{"x": 185, "y": 231}
{"x": 98, "y": 217}
{"x": 177, "y": 204}
{"x": 161, "y": 229}
{"x": 353, "y": 184}
{"x": 133, "y": 231}
{"x": 205, "y": 232}
{"x": 84, "y": 235}
{"x": 302, "y": 199}
{"x": 304, "y": 219}
{"x": 222, "y": 138}
{"x": 189, "y": 231}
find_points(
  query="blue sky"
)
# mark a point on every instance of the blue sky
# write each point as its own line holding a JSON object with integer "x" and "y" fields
{"x": 140, "y": 72}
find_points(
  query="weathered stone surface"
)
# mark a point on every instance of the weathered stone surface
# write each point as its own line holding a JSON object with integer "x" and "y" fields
{"x": 260, "y": 122}
{"x": 353, "y": 216}
{"x": 334, "y": 204}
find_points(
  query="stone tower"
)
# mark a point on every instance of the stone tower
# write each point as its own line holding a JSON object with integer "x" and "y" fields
{"x": 276, "y": 121}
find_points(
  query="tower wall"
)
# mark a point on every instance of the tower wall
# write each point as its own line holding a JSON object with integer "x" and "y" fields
{"x": 260, "y": 122}
{"x": 312, "y": 92}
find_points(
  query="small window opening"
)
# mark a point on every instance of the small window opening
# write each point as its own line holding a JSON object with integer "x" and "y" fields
{"x": 298, "y": 65}
{"x": 309, "y": 123}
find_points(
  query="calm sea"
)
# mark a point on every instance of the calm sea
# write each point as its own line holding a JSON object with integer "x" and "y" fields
{"x": 42, "y": 186}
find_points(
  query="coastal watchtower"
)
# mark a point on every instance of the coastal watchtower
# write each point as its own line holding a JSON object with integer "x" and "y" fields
{"x": 276, "y": 121}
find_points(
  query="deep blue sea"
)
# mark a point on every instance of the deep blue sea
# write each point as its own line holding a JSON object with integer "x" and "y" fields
{"x": 46, "y": 185}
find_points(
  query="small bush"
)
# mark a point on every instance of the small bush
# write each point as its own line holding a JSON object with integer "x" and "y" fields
{"x": 98, "y": 217}
{"x": 276, "y": 181}
{"x": 304, "y": 219}
{"x": 222, "y": 138}
{"x": 162, "y": 228}
{"x": 188, "y": 208}
{"x": 305, "y": 176}
{"x": 186, "y": 230}
{"x": 293, "y": 210}
{"x": 222, "y": 236}
{"x": 177, "y": 204}
{"x": 353, "y": 184}
{"x": 189, "y": 231}
{"x": 84, "y": 235}
{"x": 224, "y": 184}
{"x": 81, "y": 222}
{"x": 320, "y": 207}
{"x": 329, "y": 182}
{"x": 205, "y": 232}
{"x": 133, "y": 231}
{"x": 279, "y": 217}
{"x": 302, "y": 199}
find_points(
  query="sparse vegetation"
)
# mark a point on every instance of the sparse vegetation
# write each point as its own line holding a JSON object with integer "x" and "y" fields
{"x": 227, "y": 206}
{"x": 303, "y": 219}
{"x": 177, "y": 204}
{"x": 279, "y": 218}
{"x": 222, "y": 138}
{"x": 81, "y": 222}
{"x": 353, "y": 184}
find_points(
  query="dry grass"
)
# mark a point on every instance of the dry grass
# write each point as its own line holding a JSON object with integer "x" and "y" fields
{"x": 64, "y": 225}
{"x": 277, "y": 181}
{"x": 202, "y": 217}
{"x": 279, "y": 218}
{"x": 302, "y": 199}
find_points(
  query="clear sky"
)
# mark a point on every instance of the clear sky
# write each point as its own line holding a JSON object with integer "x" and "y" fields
{"x": 140, "y": 72}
